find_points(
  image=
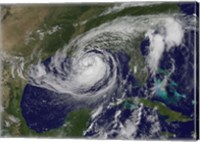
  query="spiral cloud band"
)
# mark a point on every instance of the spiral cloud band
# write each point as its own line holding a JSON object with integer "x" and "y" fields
{"x": 90, "y": 63}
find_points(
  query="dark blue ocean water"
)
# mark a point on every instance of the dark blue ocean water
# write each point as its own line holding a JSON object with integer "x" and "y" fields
{"x": 43, "y": 109}
{"x": 144, "y": 46}
{"x": 183, "y": 59}
{"x": 189, "y": 8}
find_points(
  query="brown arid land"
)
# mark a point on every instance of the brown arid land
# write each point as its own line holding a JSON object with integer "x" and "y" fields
{"x": 17, "y": 21}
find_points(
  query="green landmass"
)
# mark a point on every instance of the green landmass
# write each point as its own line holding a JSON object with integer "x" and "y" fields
{"x": 162, "y": 109}
{"x": 137, "y": 61}
{"x": 134, "y": 11}
{"x": 167, "y": 134}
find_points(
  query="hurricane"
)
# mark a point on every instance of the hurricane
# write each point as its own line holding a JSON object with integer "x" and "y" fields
{"x": 113, "y": 69}
{"x": 89, "y": 70}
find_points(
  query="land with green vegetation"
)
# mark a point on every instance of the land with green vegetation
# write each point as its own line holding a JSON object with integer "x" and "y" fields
{"x": 161, "y": 108}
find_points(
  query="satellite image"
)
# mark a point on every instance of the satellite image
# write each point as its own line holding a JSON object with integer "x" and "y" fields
{"x": 99, "y": 70}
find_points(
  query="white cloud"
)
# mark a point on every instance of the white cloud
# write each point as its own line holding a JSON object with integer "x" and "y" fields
{"x": 121, "y": 6}
{"x": 174, "y": 33}
{"x": 170, "y": 35}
